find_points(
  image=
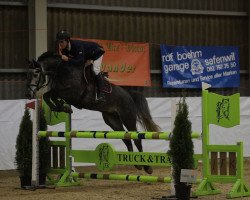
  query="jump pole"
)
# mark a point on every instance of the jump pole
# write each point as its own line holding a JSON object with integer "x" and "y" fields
{"x": 35, "y": 146}
{"x": 112, "y": 134}
{"x": 146, "y": 179}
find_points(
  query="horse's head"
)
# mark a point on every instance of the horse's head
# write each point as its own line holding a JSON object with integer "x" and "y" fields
{"x": 39, "y": 74}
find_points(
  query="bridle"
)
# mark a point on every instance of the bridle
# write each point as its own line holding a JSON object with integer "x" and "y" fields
{"x": 35, "y": 86}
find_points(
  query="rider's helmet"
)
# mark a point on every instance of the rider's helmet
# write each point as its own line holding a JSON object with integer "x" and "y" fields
{"x": 63, "y": 35}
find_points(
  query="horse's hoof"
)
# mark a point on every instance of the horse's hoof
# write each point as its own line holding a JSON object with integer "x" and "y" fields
{"x": 148, "y": 169}
{"x": 67, "y": 109}
{"x": 139, "y": 167}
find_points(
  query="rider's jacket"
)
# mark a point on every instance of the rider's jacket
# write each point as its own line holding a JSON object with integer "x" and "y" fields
{"x": 80, "y": 51}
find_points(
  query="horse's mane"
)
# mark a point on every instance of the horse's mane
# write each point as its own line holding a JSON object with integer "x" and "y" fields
{"x": 46, "y": 55}
{"x": 64, "y": 66}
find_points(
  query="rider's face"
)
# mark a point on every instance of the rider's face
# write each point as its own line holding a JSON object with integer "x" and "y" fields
{"x": 63, "y": 44}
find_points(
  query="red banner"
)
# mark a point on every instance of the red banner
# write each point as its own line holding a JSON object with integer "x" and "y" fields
{"x": 127, "y": 63}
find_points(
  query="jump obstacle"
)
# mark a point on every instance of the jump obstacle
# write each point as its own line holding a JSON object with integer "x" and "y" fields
{"x": 216, "y": 109}
{"x": 61, "y": 149}
{"x": 105, "y": 157}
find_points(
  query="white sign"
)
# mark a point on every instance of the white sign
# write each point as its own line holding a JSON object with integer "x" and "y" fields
{"x": 188, "y": 176}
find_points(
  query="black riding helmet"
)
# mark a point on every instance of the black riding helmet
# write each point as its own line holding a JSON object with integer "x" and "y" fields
{"x": 63, "y": 35}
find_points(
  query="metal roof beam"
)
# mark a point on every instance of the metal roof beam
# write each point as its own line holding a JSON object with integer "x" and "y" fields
{"x": 132, "y": 9}
{"x": 12, "y": 3}
{"x": 2, "y": 71}
{"x": 145, "y": 10}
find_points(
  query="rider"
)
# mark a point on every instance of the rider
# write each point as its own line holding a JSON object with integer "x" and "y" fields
{"x": 76, "y": 52}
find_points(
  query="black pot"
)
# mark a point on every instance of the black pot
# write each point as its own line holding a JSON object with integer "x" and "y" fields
{"x": 42, "y": 179}
{"x": 182, "y": 191}
{"x": 26, "y": 180}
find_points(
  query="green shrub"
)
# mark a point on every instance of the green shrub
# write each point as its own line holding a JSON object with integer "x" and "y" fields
{"x": 23, "y": 156}
{"x": 181, "y": 144}
{"x": 24, "y": 146}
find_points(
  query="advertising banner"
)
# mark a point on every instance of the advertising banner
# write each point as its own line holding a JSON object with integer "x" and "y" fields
{"x": 188, "y": 66}
{"x": 127, "y": 63}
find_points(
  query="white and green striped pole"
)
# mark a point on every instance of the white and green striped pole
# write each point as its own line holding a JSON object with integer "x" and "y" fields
{"x": 112, "y": 134}
{"x": 35, "y": 146}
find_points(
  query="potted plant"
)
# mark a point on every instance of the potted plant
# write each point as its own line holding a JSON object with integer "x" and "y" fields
{"x": 23, "y": 156}
{"x": 181, "y": 150}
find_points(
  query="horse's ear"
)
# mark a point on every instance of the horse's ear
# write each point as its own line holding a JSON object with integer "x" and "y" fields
{"x": 35, "y": 63}
{"x": 28, "y": 61}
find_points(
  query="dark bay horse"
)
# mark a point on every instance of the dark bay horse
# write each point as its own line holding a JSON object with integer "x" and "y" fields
{"x": 56, "y": 81}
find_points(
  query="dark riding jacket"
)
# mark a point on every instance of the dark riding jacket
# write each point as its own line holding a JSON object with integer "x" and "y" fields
{"x": 81, "y": 51}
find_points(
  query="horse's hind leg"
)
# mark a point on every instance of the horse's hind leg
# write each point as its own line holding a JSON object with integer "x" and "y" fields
{"x": 115, "y": 123}
{"x": 128, "y": 118}
{"x": 113, "y": 120}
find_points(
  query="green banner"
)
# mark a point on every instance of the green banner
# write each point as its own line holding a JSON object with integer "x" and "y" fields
{"x": 105, "y": 157}
{"x": 224, "y": 110}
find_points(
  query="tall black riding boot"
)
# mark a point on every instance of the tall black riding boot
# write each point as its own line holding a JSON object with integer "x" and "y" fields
{"x": 100, "y": 80}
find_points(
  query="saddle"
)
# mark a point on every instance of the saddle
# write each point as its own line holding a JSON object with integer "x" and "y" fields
{"x": 88, "y": 74}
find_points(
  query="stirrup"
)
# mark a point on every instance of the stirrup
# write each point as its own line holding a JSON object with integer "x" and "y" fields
{"x": 100, "y": 97}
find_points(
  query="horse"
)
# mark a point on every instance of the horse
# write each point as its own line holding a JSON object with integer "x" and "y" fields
{"x": 57, "y": 80}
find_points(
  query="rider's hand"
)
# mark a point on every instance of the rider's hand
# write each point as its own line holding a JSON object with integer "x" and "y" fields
{"x": 89, "y": 62}
{"x": 65, "y": 58}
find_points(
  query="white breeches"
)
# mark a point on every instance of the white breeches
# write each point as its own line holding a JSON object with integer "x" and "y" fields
{"x": 97, "y": 65}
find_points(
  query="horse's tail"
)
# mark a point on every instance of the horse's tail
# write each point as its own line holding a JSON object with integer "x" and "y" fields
{"x": 143, "y": 113}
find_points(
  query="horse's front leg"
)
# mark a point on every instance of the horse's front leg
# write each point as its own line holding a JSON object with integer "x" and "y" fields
{"x": 62, "y": 106}
{"x": 56, "y": 104}
{"x": 50, "y": 103}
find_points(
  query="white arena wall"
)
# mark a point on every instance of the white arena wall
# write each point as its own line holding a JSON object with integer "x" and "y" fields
{"x": 11, "y": 112}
